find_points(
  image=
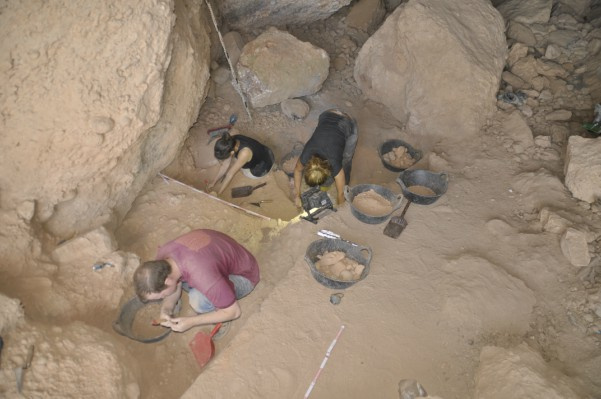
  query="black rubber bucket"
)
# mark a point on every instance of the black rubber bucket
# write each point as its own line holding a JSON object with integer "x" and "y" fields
{"x": 437, "y": 182}
{"x": 358, "y": 253}
{"x": 123, "y": 324}
{"x": 388, "y": 145}
{"x": 394, "y": 199}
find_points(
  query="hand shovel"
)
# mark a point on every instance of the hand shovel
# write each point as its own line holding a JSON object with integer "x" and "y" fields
{"x": 397, "y": 224}
{"x": 203, "y": 347}
{"x": 245, "y": 191}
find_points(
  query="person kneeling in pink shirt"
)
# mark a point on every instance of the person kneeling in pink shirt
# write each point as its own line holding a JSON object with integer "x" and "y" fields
{"x": 212, "y": 267}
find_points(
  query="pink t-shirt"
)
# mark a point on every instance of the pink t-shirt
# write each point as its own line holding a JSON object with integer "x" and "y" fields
{"x": 206, "y": 258}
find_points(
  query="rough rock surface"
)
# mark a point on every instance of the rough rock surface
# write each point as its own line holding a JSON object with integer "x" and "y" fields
{"x": 73, "y": 361}
{"x": 583, "y": 168}
{"x": 96, "y": 105}
{"x": 248, "y": 14}
{"x": 527, "y": 12}
{"x": 506, "y": 301}
{"x": 574, "y": 247}
{"x": 277, "y": 66}
{"x": 519, "y": 373}
{"x": 463, "y": 41}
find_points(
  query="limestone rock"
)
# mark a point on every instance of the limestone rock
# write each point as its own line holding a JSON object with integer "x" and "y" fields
{"x": 87, "y": 248}
{"x": 277, "y": 66}
{"x": 121, "y": 103}
{"x": 559, "y": 115}
{"x": 583, "y": 168}
{"x": 11, "y": 313}
{"x": 525, "y": 68}
{"x": 552, "y": 222}
{"x": 517, "y": 51}
{"x": 521, "y": 33}
{"x": 295, "y": 108}
{"x": 515, "y": 81}
{"x": 248, "y": 14}
{"x": 527, "y": 12}
{"x": 519, "y": 372}
{"x": 463, "y": 41}
{"x": 575, "y": 248}
{"x": 366, "y": 15}
{"x": 516, "y": 128}
{"x": 233, "y": 44}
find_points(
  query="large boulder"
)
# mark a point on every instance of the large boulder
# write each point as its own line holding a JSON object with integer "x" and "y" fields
{"x": 249, "y": 14}
{"x": 583, "y": 168}
{"x": 436, "y": 65}
{"x": 277, "y": 66}
{"x": 519, "y": 372}
{"x": 96, "y": 105}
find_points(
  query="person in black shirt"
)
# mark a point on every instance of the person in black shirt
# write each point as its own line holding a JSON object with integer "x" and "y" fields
{"x": 253, "y": 158}
{"x": 328, "y": 154}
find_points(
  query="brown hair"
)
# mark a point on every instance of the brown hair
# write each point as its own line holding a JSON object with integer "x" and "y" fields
{"x": 150, "y": 277}
{"x": 317, "y": 170}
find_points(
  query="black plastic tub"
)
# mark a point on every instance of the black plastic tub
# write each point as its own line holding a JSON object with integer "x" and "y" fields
{"x": 388, "y": 145}
{"x": 123, "y": 325}
{"x": 437, "y": 182}
{"x": 394, "y": 199}
{"x": 358, "y": 253}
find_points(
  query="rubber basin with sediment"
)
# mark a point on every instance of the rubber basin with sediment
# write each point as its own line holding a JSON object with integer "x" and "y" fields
{"x": 394, "y": 199}
{"x": 359, "y": 254}
{"x": 437, "y": 182}
{"x": 389, "y": 145}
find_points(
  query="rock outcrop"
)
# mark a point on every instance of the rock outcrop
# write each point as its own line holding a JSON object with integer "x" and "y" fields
{"x": 424, "y": 43}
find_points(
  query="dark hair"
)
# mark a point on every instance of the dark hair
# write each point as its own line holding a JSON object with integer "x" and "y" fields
{"x": 150, "y": 277}
{"x": 224, "y": 146}
{"x": 317, "y": 171}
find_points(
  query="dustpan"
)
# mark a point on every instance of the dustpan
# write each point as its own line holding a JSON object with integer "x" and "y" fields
{"x": 245, "y": 191}
{"x": 203, "y": 347}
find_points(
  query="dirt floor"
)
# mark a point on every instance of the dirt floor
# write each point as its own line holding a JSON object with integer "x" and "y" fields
{"x": 471, "y": 270}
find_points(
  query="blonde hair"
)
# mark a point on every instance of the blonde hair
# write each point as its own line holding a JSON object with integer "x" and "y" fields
{"x": 317, "y": 170}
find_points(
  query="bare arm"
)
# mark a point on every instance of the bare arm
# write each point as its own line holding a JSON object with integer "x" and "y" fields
{"x": 222, "y": 169}
{"x": 340, "y": 180}
{"x": 298, "y": 172}
{"x": 170, "y": 301}
{"x": 244, "y": 156}
{"x": 181, "y": 324}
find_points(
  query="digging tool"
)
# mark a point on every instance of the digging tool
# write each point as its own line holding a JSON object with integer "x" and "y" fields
{"x": 258, "y": 204}
{"x": 397, "y": 224}
{"x": 203, "y": 347}
{"x": 20, "y": 370}
{"x": 219, "y": 131}
{"x": 245, "y": 191}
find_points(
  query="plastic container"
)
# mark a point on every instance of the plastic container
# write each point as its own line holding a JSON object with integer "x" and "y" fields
{"x": 123, "y": 325}
{"x": 437, "y": 182}
{"x": 358, "y": 253}
{"x": 388, "y": 145}
{"x": 394, "y": 199}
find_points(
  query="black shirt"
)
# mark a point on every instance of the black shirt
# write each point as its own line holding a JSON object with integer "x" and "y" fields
{"x": 261, "y": 153}
{"x": 328, "y": 140}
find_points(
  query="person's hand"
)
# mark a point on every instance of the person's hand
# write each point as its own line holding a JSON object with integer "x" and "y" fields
{"x": 298, "y": 202}
{"x": 179, "y": 324}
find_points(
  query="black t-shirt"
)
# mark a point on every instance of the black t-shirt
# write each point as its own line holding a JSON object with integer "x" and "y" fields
{"x": 261, "y": 153}
{"x": 328, "y": 140}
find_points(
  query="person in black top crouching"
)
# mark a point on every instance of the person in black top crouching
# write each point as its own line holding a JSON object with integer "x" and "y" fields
{"x": 253, "y": 158}
{"x": 328, "y": 154}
